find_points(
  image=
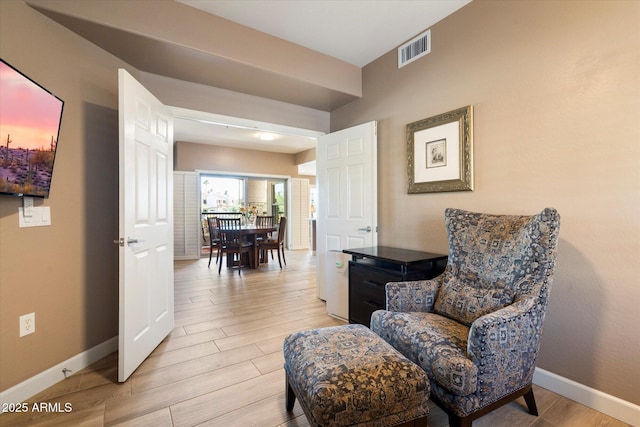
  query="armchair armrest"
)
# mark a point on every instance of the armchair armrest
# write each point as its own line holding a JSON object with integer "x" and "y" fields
{"x": 417, "y": 295}
{"x": 504, "y": 344}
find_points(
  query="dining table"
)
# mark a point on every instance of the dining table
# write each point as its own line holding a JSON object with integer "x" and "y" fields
{"x": 250, "y": 233}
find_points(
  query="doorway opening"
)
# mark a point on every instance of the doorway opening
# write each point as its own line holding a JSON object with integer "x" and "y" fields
{"x": 229, "y": 195}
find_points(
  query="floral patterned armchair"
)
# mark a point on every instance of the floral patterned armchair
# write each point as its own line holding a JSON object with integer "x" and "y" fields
{"x": 476, "y": 328}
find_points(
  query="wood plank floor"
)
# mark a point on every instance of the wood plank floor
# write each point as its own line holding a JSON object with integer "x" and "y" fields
{"x": 222, "y": 364}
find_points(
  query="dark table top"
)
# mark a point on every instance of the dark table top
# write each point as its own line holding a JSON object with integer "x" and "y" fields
{"x": 395, "y": 255}
{"x": 251, "y": 229}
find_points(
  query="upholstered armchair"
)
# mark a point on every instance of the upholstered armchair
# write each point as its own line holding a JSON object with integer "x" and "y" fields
{"x": 476, "y": 328}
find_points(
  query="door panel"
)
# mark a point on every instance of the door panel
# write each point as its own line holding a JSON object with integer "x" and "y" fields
{"x": 146, "y": 224}
{"x": 356, "y": 188}
{"x": 347, "y": 214}
{"x": 333, "y": 193}
{"x": 357, "y": 242}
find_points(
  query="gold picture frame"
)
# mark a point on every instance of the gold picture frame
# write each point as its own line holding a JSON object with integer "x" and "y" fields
{"x": 440, "y": 152}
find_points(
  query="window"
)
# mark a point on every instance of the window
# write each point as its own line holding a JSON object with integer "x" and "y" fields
{"x": 221, "y": 194}
{"x": 227, "y": 194}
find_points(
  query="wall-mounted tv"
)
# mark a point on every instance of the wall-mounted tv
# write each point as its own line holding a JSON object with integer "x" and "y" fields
{"x": 30, "y": 118}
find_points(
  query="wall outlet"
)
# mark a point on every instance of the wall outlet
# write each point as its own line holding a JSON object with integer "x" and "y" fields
{"x": 27, "y": 324}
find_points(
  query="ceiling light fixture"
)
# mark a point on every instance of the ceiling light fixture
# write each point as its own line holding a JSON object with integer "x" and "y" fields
{"x": 265, "y": 136}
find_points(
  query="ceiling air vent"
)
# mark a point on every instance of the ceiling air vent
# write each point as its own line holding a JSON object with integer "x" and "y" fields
{"x": 415, "y": 48}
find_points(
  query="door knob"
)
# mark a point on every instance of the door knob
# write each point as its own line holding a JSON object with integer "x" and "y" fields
{"x": 130, "y": 240}
{"x": 367, "y": 229}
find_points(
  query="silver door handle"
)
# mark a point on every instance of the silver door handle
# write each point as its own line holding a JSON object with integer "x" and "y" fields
{"x": 367, "y": 229}
{"x": 130, "y": 240}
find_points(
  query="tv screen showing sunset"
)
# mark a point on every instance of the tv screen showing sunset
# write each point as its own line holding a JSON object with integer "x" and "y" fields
{"x": 29, "y": 123}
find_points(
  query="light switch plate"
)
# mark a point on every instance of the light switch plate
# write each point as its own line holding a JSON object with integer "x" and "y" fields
{"x": 40, "y": 216}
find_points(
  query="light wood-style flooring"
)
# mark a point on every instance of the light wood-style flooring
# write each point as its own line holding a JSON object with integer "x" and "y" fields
{"x": 222, "y": 364}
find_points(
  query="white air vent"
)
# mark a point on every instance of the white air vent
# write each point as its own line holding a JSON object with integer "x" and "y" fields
{"x": 414, "y": 49}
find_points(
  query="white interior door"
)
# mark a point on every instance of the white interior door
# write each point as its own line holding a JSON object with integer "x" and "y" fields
{"x": 146, "y": 224}
{"x": 348, "y": 207}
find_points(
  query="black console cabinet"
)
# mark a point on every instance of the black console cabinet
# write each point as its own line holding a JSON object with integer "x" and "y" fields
{"x": 371, "y": 268}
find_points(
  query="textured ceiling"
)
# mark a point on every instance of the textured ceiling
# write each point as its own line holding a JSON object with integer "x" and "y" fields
{"x": 355, "y": 31}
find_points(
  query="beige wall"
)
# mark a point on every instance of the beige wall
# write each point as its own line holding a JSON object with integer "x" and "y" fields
{"x": 305, "y": 156}
{"x": 66, "y": 273}
{"x": 556, "y": 94}
{"x": 190, "y": 156}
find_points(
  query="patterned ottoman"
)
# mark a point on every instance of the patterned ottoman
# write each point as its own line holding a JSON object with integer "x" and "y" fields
{"x": 348, "y": 376}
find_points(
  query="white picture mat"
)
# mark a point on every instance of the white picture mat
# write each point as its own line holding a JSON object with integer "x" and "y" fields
{"x": 451, "y": 133}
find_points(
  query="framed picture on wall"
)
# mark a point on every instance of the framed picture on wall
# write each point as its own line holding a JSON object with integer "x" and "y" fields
{"x": 440, "y": 152}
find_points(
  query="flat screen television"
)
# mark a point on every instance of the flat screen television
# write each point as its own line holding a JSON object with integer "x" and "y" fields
{"x": 30, "y": 118}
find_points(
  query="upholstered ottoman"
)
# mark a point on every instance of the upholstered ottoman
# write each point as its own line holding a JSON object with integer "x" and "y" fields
{"x": 348, "y": 376}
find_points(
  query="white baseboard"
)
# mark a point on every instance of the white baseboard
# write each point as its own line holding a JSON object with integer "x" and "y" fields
{"x": 594, "y": 399}
{"x": 34, "y": 385}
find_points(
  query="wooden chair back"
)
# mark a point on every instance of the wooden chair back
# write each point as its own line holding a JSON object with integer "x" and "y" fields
{"x": 281, "y": 229}
{"x": 212, "y": 225}
{"x": 227, "y": 231}
{"x": 264, "y": 221}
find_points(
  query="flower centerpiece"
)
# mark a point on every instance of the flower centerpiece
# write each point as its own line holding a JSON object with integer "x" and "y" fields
{"x": 249, "y": 214}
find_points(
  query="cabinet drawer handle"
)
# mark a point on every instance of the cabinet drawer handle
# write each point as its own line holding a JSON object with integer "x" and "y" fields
{"x": 372, "y": 283}
{"x": 373, "y": 304}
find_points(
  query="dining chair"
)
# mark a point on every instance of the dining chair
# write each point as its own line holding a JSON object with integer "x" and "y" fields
{"x": 277, "y": 243}
{"x": 264, "y": 221}
{"x": 214, "y": 239}
{"x": 205, "y": 230}
{"x": 231, "y": 243}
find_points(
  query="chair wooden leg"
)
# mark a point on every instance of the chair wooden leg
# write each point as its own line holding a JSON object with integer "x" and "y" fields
{"x": 279, "y": 260}
{"x": 283, "y": 258}
{"x": 210, "y": 254}
{"x": 220, "y": 266}
{"x": 530, "y": 399}
{"x": 456, "y": 421}
{"x": 291, "y": 397}
{"x": 420, "y": 422}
